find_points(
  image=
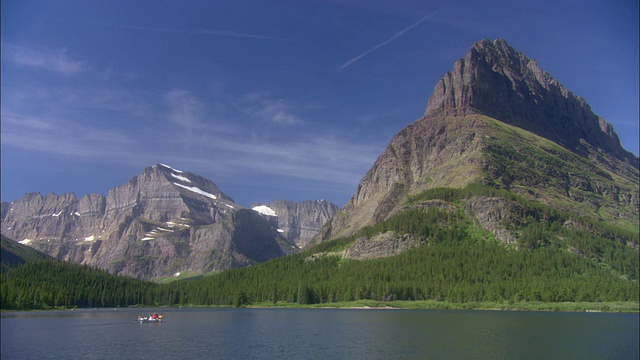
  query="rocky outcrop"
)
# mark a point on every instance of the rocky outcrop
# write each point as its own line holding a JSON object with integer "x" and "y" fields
{"x": 494, "y": 215}
{"x": 162, "y": 222}
{"x": 298, "y": 222}
{"x": 380, "y": 246}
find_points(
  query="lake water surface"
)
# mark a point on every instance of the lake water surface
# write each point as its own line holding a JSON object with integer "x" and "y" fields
{"x": 318, "y": 334}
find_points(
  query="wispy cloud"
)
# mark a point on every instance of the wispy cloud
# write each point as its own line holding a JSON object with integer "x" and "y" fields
{"x": 87, "y": 123}
{"x": 224, "y": 138}
{"x": 313, "y": 157}
{"x": 259, "y": 105}
{"x": 228, "y": 139}
{"x": 198, "y": 32}
{"x": 386, "y": 42}
{"x": 45, "y": 59}
{"x": 184, "y": 109}
{"x": 317, "y": 157}
{"x": 64, "y": 137}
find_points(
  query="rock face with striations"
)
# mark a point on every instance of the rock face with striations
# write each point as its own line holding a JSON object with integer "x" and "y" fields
{"x": 498, "y": 119}
{"x": 497, "y": 81}
{"x": 161, "y": 223}
{"x": 298, "y": 222}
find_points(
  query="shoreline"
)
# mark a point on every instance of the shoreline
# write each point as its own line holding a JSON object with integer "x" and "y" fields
{"x": 589, "y": 307}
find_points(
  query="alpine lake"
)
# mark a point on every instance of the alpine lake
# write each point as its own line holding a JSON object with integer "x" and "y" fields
{"x": 285, "y": 333}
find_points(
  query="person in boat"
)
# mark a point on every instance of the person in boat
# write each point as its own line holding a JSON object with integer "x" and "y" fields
{"x": 160, "y": 316}
{"x": 155, "y": 316}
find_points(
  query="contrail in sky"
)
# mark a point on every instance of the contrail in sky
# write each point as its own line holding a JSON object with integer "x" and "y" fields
{"x": 395, "y": 36}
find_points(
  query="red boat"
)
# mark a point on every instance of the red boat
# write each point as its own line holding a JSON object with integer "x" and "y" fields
{"x": 150, "y": 319}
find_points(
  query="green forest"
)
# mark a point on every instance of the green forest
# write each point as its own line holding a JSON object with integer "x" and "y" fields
{"x": 456, "y": 262}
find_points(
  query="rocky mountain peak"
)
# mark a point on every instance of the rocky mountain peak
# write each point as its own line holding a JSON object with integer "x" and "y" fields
{"x": 498, "y": 119}
{"x": 496, "y": 80}
{"x": 163, "y": 193}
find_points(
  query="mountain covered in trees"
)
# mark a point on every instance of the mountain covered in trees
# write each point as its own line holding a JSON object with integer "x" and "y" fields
{"x": 164, "y": 222}
{"x": 508, "y": 189}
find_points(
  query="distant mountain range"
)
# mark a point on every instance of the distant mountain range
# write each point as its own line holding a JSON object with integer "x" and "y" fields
{"x": 163, "y": 222}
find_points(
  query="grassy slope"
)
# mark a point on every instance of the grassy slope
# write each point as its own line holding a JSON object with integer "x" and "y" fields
{"x": 540, "y": 169}
{"x": 15, "y": 254}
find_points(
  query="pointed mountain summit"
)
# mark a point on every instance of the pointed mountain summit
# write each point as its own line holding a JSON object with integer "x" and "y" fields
{"x": 162, "y": 193}
{"x": 497, "y": 81}
{"x": 499, "y": 121}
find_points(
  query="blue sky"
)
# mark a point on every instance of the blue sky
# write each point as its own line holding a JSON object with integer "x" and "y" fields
{"x": 269, "y": 99}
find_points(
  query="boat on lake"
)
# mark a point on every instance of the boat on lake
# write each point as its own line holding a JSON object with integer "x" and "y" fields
{"x": 155, "y": 318}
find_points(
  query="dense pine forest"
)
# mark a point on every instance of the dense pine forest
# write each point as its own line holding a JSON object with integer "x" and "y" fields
{"x": 457, "y": 261}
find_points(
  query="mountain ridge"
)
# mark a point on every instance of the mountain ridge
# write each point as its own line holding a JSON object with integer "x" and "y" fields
{"x": 161, "y": 223}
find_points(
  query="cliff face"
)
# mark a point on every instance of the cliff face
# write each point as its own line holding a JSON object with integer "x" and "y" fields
{"x": 499, "y": 120}
{"x": 495, "y": 80}
{"x": 160, "y": 223}
{"x": 299, "y": 222}
{"x": 438, "y": 152}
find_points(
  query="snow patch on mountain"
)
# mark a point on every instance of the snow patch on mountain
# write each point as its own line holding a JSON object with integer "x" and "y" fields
{"x": 172, "y": 169}
{"x": 180, "y": 177}
{"x": 265, "y": 210}
{"x": 197, "y": 190}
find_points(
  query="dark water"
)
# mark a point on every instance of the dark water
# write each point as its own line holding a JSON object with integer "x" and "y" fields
{"x": 318, "y": 334}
